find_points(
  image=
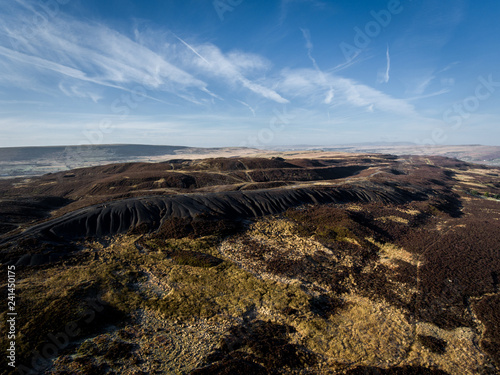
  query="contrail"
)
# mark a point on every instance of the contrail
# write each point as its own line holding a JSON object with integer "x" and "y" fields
{"x": 248, "y": 106}
{"x": 192, "y": 49}
{"x": 309, "y": 46}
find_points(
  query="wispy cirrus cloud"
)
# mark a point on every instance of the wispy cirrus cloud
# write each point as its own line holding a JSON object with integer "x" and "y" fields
{"x": 422, "y": 84}
{"x": 309, "y": 85}
{"x": 92, "y": 53}
{"x": 191, "y": 49}
{"x": 103, "y": 57}
{"x": 248, "y": 106}
{"x": 233, "y": 67}
{"x": 309, "y": 46}
{"x": 80, "y": 91}
{"x": 220, "y": 79}
{"x": 386, "y": 76}
{"x": 436, "y": 93}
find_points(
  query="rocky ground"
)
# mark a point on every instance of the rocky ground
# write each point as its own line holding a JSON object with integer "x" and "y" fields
{"x": 394, "y": 273}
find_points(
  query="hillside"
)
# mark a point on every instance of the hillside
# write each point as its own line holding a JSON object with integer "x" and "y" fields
{"x": 36, "y": 161}
{"x": 331, "y": 264}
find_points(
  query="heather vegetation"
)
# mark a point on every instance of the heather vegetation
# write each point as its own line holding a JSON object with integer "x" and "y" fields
{"x": 398, "y": 275}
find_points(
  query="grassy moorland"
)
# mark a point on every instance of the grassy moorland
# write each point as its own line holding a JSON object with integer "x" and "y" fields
{"x": 394, "y": 273}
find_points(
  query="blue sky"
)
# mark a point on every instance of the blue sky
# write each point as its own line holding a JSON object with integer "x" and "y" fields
{"x": 249, "y": 73}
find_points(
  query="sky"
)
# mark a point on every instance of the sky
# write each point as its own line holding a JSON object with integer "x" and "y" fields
{"x": 255, "y": 73}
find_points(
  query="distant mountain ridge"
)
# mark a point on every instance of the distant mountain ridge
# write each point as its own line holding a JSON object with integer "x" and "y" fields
{"x": 116, "y": 150}
{"x": 35, "y": 161}
{"x": 473, "y": 153}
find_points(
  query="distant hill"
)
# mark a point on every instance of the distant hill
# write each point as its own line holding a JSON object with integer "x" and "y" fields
{"x": 489, "y": 155}
{"x": 35, "y": 161}
{"x": 115, "y": 151}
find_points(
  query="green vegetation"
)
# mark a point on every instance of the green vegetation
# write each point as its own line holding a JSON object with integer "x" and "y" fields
{"x": 486, "y": 194}
{"x": 199, "y": 285}
{"x": 326, "y": 224}
{"x": 367, "y": 283}
{"x": 204, "y": 284}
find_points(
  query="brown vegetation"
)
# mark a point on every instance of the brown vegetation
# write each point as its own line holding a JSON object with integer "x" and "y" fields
{"x": 364, "y": 265}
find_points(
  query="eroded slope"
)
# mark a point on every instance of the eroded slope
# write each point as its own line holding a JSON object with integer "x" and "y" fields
{"x": 393, "y": 270}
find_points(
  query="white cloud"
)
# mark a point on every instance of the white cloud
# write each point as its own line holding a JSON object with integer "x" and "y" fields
{"x": 417, "y": 81}
{"x": 248, "y": 63}
{"x": 329, "y": 96}
{"x": 309, "y": 85}
{"x": 309, "y": 46}
{"x": 79, "y": 91}
{"x": 233, "y": 68}
{"x": 192, "y": 49}
{"x": 436, "y": 93}
{"x": 248, "y": 106}
{"x": 90, "y": 52}
{"x": 73, "y": 59}
{"x": 388, "y": 66}
{"x": 113, "y": 60}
